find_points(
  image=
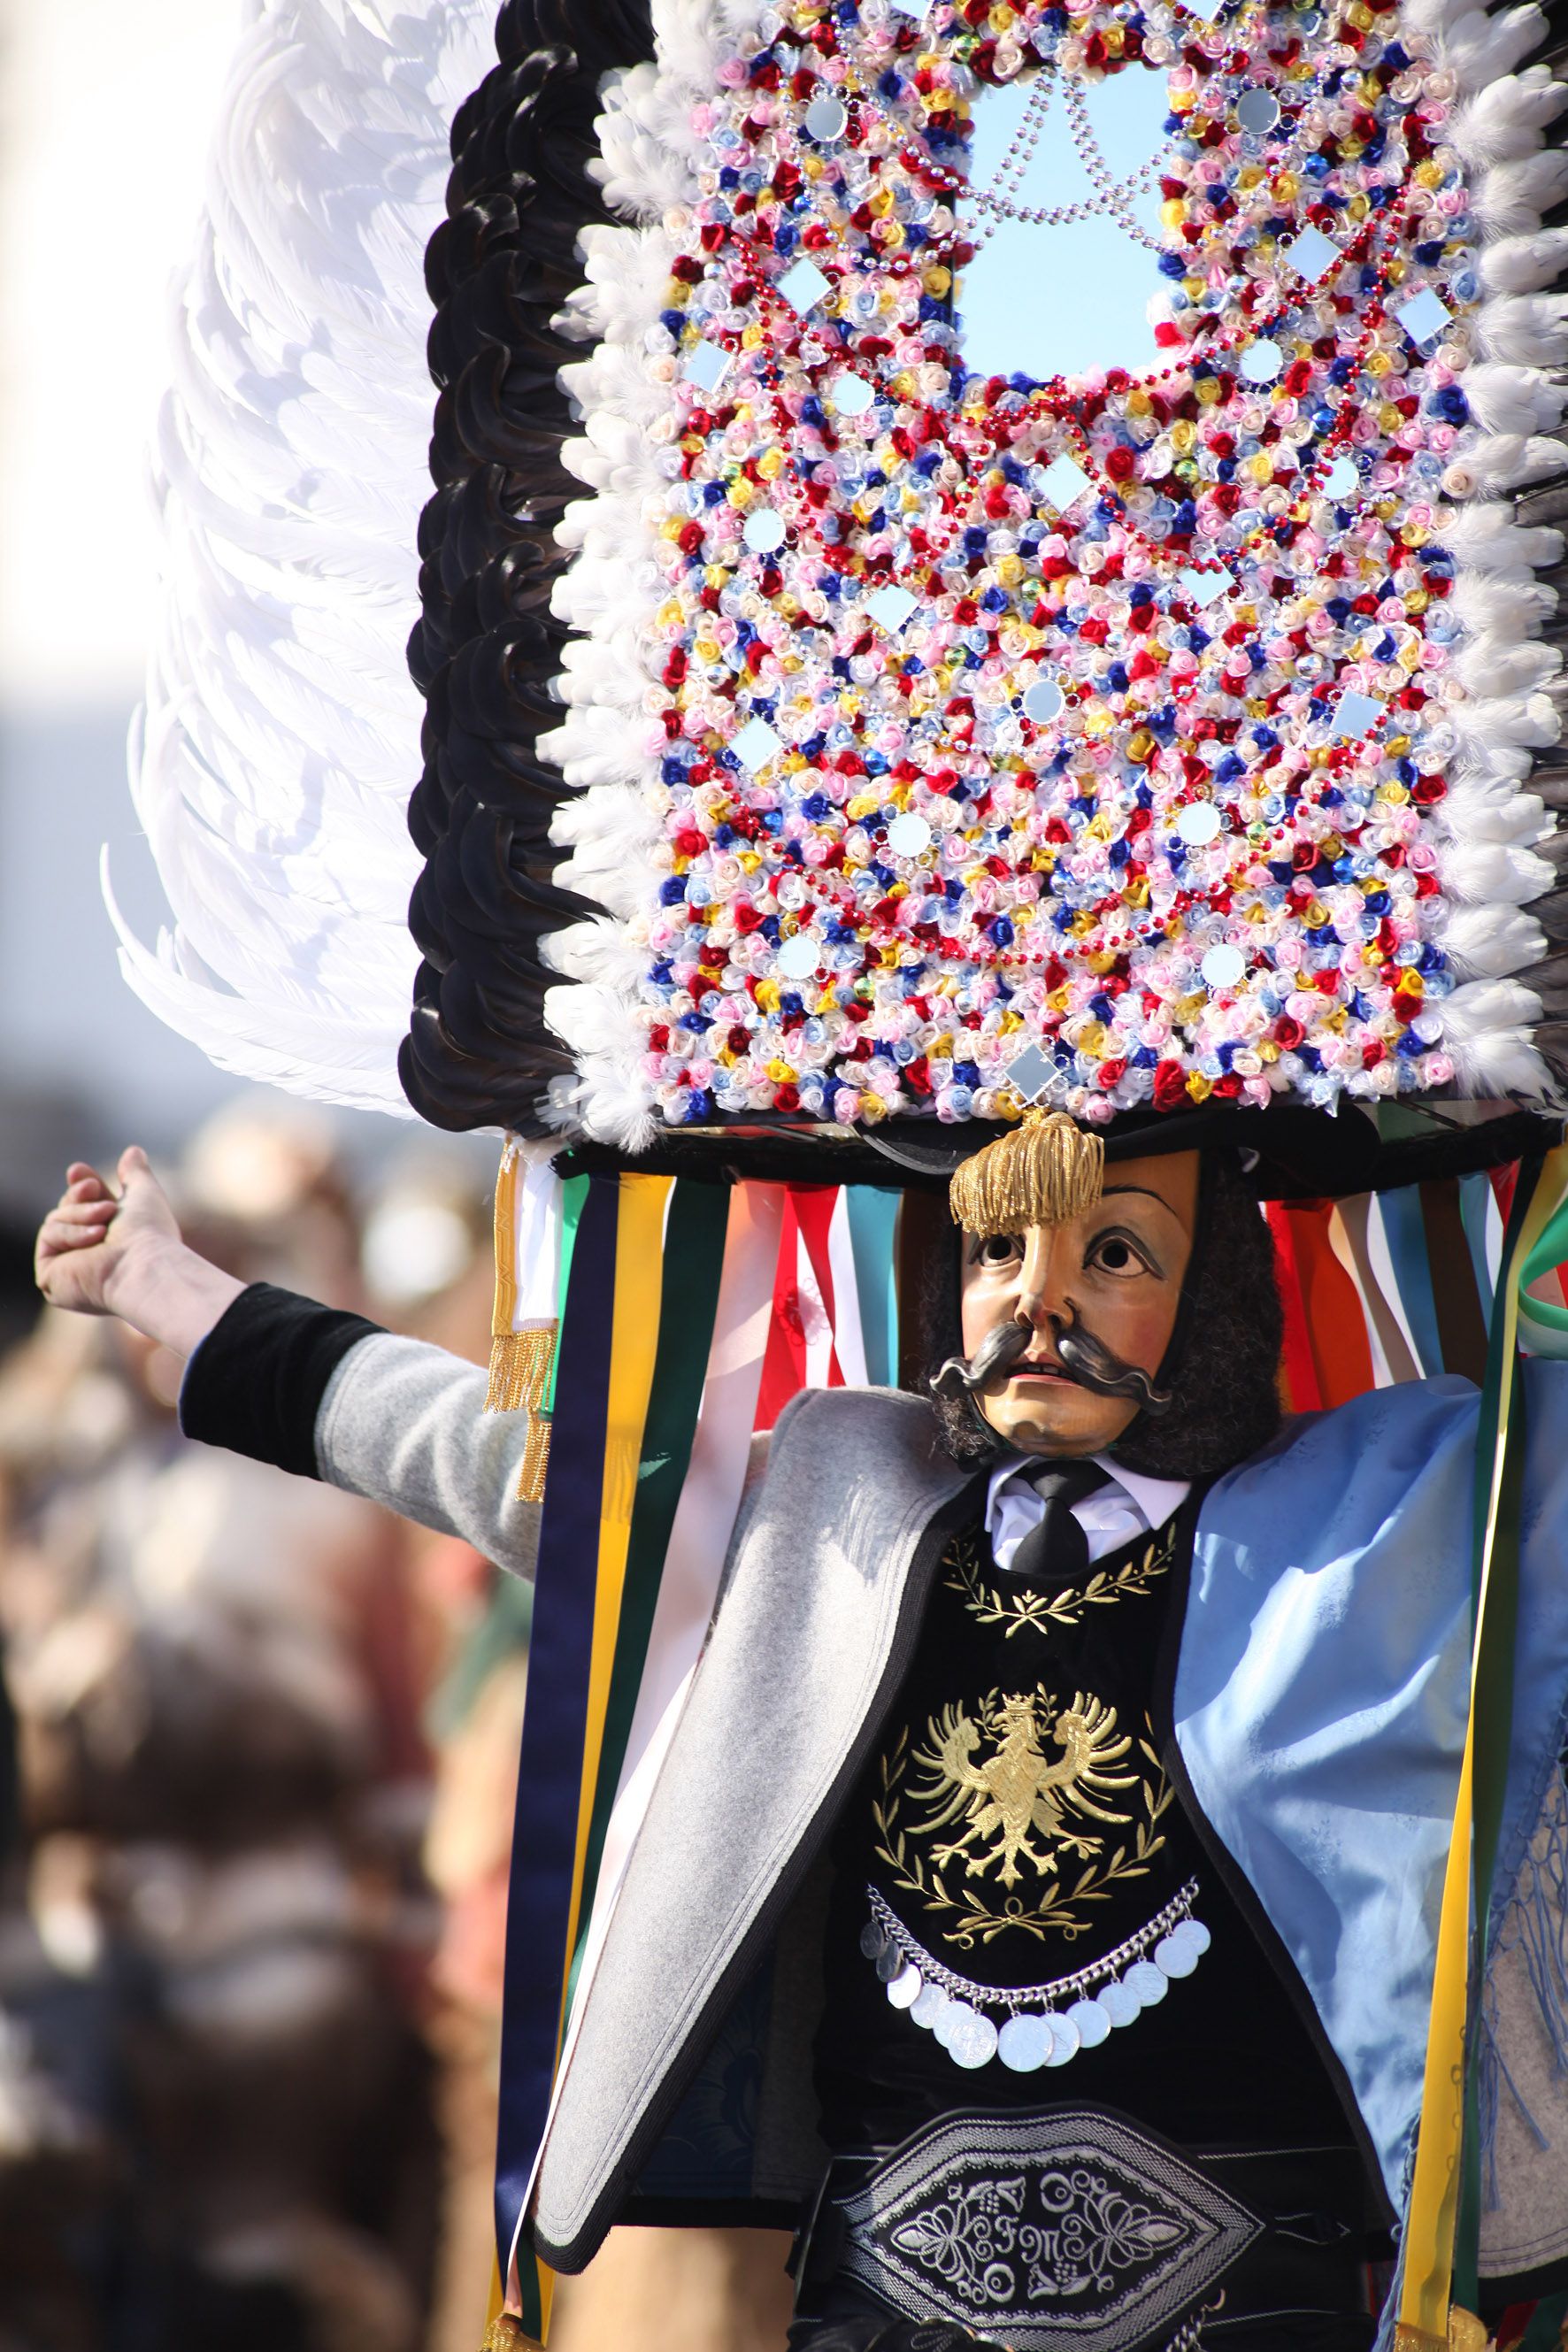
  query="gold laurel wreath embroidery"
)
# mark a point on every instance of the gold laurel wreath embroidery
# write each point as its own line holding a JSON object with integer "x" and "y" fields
{"x": 1014, "y": 1610}
{"x": 1059, "y": 1909}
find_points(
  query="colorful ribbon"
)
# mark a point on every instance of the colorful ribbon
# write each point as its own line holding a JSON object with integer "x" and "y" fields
{"x": 550, "y": 1771}
{"x": 1443, "y": 2225}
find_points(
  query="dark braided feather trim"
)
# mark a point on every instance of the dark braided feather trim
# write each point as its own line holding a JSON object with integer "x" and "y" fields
{"x": 487, "y": 648}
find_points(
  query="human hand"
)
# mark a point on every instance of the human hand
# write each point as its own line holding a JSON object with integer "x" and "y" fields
{"x": 94, "y": 1230}
{"x": 107, "y": 1252}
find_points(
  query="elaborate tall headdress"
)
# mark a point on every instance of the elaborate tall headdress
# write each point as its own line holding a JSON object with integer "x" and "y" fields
{"x": 831, "y": 757}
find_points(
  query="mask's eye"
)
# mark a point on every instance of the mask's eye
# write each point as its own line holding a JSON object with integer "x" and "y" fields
{"x": 1113, "y": 1253}
{"x": 998, "y": 1249}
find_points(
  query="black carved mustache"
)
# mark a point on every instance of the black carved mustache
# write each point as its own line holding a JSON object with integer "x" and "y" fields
{"x": 1095, "y": 1366}
{"x": 1087, "y": 1360}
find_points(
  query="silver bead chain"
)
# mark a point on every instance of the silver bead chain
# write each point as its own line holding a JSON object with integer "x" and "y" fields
{"x": 999, "y": 201}
{"x": 1113, "y": 196}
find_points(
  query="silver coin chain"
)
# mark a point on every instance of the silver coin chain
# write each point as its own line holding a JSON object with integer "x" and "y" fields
{"x": 1014, "y": 1997}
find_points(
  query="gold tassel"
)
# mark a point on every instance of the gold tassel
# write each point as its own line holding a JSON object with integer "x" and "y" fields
{"x": 507, "y": 1361}
{"x": 506, "y": 2333}
{"x": 1047, "y": 1171}
{"x": 535, "y": 1459}
{"x": 1465, "y": 2334}
{"x": 520, "y": 1369}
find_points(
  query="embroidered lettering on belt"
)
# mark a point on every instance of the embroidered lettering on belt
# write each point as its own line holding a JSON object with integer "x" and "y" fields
{"x": 1062, "y": 2231}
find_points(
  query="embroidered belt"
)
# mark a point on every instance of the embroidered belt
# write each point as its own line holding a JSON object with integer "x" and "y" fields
{"x": 1072, "y": 2229}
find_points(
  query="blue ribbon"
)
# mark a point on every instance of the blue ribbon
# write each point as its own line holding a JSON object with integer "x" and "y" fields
{"x": 873, "y": 1214}
{"x": 550, "y": 1768}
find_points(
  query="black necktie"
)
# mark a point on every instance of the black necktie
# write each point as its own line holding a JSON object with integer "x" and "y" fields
{"x": 1058, "y": 1547}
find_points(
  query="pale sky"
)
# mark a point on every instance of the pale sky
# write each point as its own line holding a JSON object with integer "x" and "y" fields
{"x": 109, "y": 105}
{"x": 1060, "y": 300}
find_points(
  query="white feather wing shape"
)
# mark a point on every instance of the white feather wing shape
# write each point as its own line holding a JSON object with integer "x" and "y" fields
{"x": 272, "y": 765}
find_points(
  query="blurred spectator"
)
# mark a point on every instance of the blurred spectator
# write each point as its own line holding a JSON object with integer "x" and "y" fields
{"x": 213, "y": 2098}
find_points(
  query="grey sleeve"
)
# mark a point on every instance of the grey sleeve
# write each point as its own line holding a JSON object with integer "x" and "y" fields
{"x": 401, "y": 1423}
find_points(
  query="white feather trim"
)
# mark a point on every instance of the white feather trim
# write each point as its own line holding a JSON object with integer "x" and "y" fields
{"x": 1507, "y": 118}
{"x": 1510, "y": 198}
{"x": 1521, "y": 265}
{"x": 646, "y": 157}
{"x": 1530, "y": 330}
{"x": 1493, "y": 873}
{"x": 273, "y": 771}
{"x": 1514, "y": 399}
{"x": 1477, "y": 46}
{"x": 1486, "y": 537}
{"x": 595, "y": 746}
{"x": 595, "y": 950}
{"x": 1476, "y": 813}
{"x": 1491, "y": 666}
{"x": 1485, "y": 463}
{"x": 1503, "y": 722}
{"x": 627, "y": 270}
{"x": 1486, "y": 1032}
{"x": 1489, "y": 942}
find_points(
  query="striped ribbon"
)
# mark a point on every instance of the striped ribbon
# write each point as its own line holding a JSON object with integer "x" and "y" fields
{"x": 607, "y": 1362}
{"x": 645, "y": 1349}
{"x": 693, "y": 1261}
{"x": 1442, "y": 2227}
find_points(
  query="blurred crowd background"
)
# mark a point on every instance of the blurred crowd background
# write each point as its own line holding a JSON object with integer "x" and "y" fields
{"x": 257, "y": 1740}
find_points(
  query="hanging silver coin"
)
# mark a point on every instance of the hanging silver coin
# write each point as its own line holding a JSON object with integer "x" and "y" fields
{"x": 1173, "y": 1958}
{"x": 973, "y": 2042}
{"x": 1120, "y": 2003}
{"x": 906, "y": 1988}
{"x": 1144, "y": 1979}
{"x": 1090, "y": 2024}
{"x": 928, "y": 2008}
{"x": 1024, "y": 2043}
{"x": 1257, "y": 112}
{"x": 1064, "y": 2042}
{"x": 826, "y": 119}
{"x": 890, "y": 1962}
{"x": 954, "y": 2019}
{"x": 873, "y": 1940}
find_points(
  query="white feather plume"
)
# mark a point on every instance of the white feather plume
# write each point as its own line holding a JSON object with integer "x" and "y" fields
{"x": 273, "y": 770}
{"x": 1489, "y": 942}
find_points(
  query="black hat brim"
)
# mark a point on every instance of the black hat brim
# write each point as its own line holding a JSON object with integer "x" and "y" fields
{"x": 1292, "y": 1151}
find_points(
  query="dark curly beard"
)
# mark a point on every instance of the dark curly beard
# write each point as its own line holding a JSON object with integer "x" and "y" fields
{"x": 1220, "y": 1368}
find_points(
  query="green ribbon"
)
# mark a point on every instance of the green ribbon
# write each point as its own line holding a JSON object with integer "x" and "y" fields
{"x": 694, "y": 1235}
{"x": 1544, "y": 2333}
{"x": 573, "y": 1193}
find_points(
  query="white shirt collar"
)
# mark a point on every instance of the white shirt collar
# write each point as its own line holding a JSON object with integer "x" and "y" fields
{"x": 1155, "y": 1498}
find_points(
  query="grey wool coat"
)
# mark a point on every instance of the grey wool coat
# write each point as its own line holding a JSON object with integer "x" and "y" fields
{"x": 688, "y": 2090}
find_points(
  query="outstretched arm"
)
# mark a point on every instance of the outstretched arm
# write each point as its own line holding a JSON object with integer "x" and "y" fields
{"x": 324, "y": 1395}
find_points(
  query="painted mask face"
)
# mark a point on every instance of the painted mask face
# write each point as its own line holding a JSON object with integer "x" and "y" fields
{"x": 1114, "y": 1276}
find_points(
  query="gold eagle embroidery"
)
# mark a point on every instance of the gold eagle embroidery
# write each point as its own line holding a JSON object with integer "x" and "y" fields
{"x": 1018, "y": 1793}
